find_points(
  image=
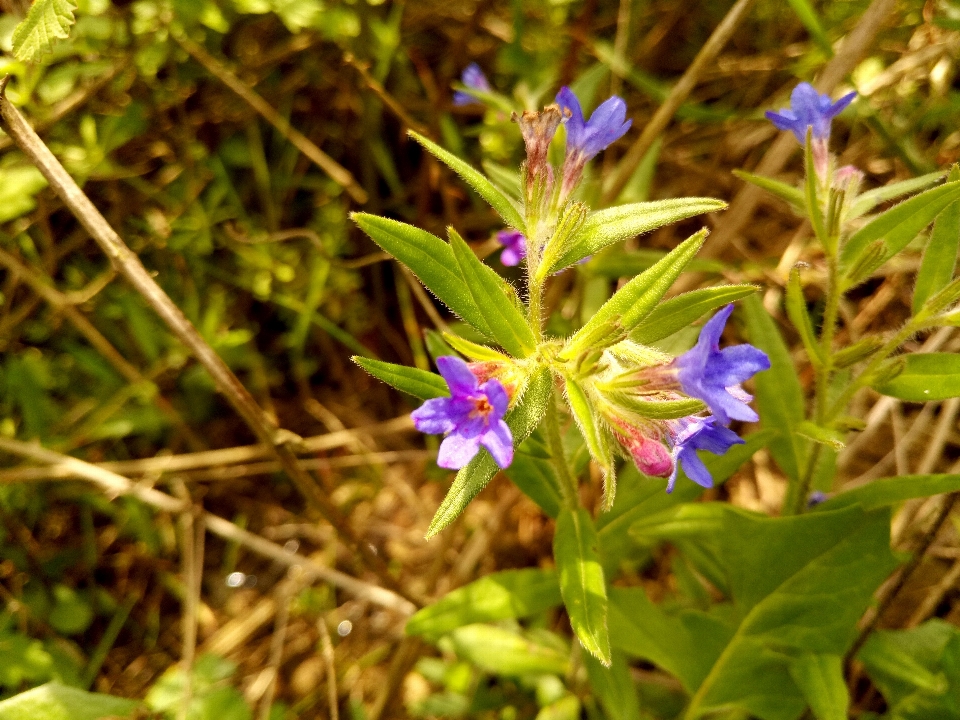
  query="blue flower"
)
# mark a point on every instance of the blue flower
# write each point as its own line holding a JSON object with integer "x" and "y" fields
{"x": 473, "y": 78}
{"x": 690, "y": 434}
{"x": 515, "y": 247}
{"x": 472, "y": 416}
{"x": 713, "y": 375}
{"x": 606, "y": 125}
{"x": 808, "y": 108}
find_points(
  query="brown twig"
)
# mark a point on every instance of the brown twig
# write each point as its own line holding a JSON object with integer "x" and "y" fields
{"x": 905, "y": 574}
{"x": 395, "y": 107}
{"x": 115, "y": 485}
{"x": 681, "y": 90}
{"x": 129, "y": 265}
{"x": 331, "y": 167}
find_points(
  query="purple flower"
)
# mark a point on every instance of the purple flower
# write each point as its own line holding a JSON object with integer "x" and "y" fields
{"x": 515, "y": 247}
{"x": 808, "y": 108}
{"x": 472, "y": 416}
{"x": 474, "y": 78}
{"x": 586, "y": 138}
{"x": 690, "y": 434}
{"x": 713, "y": 375}
{"x": 815, "y": 498}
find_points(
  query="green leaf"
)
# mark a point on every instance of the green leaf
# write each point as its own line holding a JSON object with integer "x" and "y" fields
{"x": 820, "y": 679}
{"x": 632, "y": 303}
{"x": 582, "y": 585}
{"x": 808, "y": 16}
{"x": 683, "y": 310}
{"x": 498, "y": 596}
{"x": 497, "y": 199}
{"x": 472, "y": 350}
{"x": 900, "y": 224}
{"x": 430, "y": 259}
{"x": 891, "y": 491}
{"x": 789, "y": 193}
{"x": 522, "y": 420}
{"x": 496, "y": 299}
{"x": 788, "y": 598}
{"x": 593, "y": 433}
{"x": 413, "y": 381}
{"x": 532, "y": 471}
{"x": 613, "y": 687}
{"x": 618, "y": 263}
{"x": 505, "y": 652}
{"x": 822, "y": 435}
{"x": 657, "y": 409}
{"x": 605, "y": 227}
{"x": 940, "y": 255}
{"x": 797, "y": 312}
{"x": 926, "y": 377}
{"x": 868, "y": 200}
{"x": 779, "y": 395}
{"x": 59, "y": 702}
{"x": 46, "y": 21}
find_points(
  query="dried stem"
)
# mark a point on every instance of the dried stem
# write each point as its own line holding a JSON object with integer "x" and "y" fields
{"x": 329, "y": 659}
{"x": 129, "y": 265}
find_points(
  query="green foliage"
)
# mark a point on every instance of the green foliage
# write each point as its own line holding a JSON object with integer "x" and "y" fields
{"x": 820, "y": 678}
{"x": 212, "y": 695}
{"x": 924, "y": 377}
{"x": 419, "y": 383}
{"x": 680, "y": 312}
{"x": 46, "y": 22}
{"x": 940, "y": 255}
{"x": 890, "y": 491}
{"x": 59, "y": 702}
{"x": 507, "y": 652}
{"x": 582, "y": 584}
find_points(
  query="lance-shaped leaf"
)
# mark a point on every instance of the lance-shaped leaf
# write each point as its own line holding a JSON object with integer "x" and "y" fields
{"x": 496, "y": 299}
{"x": 497, "y": 199}
{"x": 940, "y": 255}
{"x": 46, "y": 21}
{"x": 868, "y": 200}
{"x": 506, "y": 652}
{"x": 596, "y": 437}
{"x": 522, "y": 420}
{"x": 683, "y": 310}
{"x": 614, "y": 687}
{"x": 925, "y": 377}
{"x": 789, "y": 193}
{"x": 901, "y": 223}
{"x": 413, "y": 381}
{"x": 499, "y": 596}
{"x": 820, "y": 679}
{"x": 582, "y": 584}
{"x": 632, "y": 303}
{"x": 611, "y": 225}
{"x": 656, "y": 409}
{"x": 797, "y": 312}
{"x": 430, "y": 259}
{"x": 779, "y": 395}
{"x": 892, "y": 491}
{"x": 471, "y": 349}
{"x": 533, "y": 472}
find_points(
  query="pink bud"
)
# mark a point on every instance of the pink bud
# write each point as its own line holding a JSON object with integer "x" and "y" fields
{"x": 651, "y": 457}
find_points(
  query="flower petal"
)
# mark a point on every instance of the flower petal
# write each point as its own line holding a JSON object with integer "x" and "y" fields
{"x": 694, "y": 468}
{"x": 497, "y": 396}
{"x": 435, "y": 416}
{"x": 458, "y": 376}
{"x": 456, "y": 451}
{"x": 499, "y": 441}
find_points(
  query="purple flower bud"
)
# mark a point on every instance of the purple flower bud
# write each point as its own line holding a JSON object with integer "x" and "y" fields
{"x": 808, "y": 108}
{"x": 585, "y": 139}
{"x": 713, "y": 375}
{"x": 514, "y": 247}
{"x": 472, "y": 416}
{"x": 690, "y": 434}
{"x": 473, "y": 78}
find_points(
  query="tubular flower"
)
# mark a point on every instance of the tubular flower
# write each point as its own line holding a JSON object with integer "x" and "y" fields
{"x": 473, "y": 78}
{"x": 690, "y": 434}
{"x": 538, "y": 129}
{"x": 472, "y": 416}
{"x": 514, "y": 247}
{"x": 808, "y": 108}
{"x": 713, "y": 375}
{"x": 586, "y": 138}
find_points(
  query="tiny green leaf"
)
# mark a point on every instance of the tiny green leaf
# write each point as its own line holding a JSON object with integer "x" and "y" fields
{"x": 820, "y": 679}
{"x": 495, "y": 298}
{"x": 868, "y": 200}
{"x": 522, "y": 420}
{"x": 925, "y": 377}
{"x": 413, "y": 381}
{"x": 46, "y": 21}
{"x": 789, "y": 193}
{"x": 611, "y": 225}
{"x": 940, "y": 255}
{"x": 822, "y": 435}
{"x": 471, "y": 349}
{"x": 632, "y": 303}
{"x": 680, "y": 312}
{"x": 498, "y": 200}
{"x": 582, "y": 585}
{"x": 498, "y": 596}
{"x": 430, "y": 259}
{"x": 797, "y": 312}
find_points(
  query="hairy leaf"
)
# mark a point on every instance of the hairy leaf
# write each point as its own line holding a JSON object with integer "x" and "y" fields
{"x": 683, "y": 310}
{"x": 925, "y": 377}
{"x": 413, "y": 381}
{"x": 46, "y": 22}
